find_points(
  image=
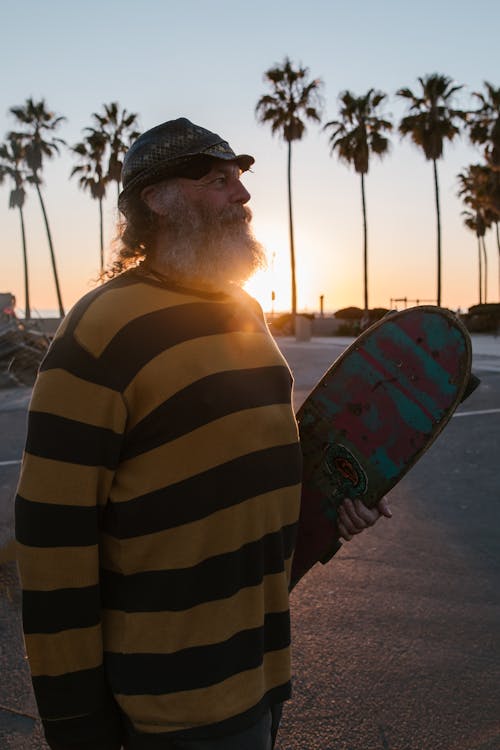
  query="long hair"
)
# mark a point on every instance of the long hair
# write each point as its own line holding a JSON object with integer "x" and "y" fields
{"x": 136, "y": 231}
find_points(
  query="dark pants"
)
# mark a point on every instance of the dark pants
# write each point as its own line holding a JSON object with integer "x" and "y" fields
{"x": 260, "y": 736}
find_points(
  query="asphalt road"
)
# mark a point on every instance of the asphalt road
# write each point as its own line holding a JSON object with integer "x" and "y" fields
{"x": 396, "y": 641}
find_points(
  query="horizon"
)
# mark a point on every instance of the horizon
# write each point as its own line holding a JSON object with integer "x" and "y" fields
{"x": 44, "y": 313}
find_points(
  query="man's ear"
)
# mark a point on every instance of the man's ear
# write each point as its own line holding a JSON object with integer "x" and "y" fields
{"x": 154, "y": 196}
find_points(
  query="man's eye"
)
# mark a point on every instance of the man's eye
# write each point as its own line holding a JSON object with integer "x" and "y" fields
{"x": 220, "y": 180}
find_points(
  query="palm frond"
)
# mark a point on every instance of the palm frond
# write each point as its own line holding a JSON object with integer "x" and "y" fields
{"x": 37, "y": 120}
{"x": 90, "y": 168}
{"x": 292, "y": 101}
{"x": 117, "y": 129}
{"x": 359, "y": 129}
{"x": 431, "y": 118}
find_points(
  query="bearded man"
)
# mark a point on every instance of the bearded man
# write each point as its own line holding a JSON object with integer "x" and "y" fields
{"x": 159, "y": 495}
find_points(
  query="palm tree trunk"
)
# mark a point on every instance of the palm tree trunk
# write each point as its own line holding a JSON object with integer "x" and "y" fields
{"x": 438, "y": 216}
{"x": 27, "y": 308}
{"x": 480, "y": 266}
{"x": 292, "y": 245}
{"x": 101, "y": 237}
{"x": 498, "y": 248}
{"x": 365, "y": 244}
{"x": 51, "y": 248}
{"x": 485, "y": 275}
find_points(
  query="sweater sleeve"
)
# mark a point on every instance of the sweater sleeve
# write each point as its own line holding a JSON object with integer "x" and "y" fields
{"x": 75, "y": 429}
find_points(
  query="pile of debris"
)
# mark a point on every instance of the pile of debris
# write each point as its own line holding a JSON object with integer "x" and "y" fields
{"x": 21, "y": 351}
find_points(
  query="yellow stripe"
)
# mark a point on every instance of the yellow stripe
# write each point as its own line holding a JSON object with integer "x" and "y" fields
{"x": 178, "y": 367}
{"x": 173, "y": 712}
{"x": 187, "y": 545}
{"x": 112, "y": 310}
{"x": 48, "y": 481}
{"x": 58, "y": 567}
{"x": 56, "y": 654}
{"x": 211, "y": 445}
{"x": 61, "y": 329}
{"x": 203, "y": 625}
{"x": 60, "y": 393}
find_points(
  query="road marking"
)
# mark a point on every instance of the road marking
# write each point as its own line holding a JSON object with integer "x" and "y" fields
{"x": 9, "y": 463}
{"x": 474, "y": 413}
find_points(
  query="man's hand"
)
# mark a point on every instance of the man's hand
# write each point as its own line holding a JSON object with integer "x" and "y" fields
{"x": 355, "y": 517}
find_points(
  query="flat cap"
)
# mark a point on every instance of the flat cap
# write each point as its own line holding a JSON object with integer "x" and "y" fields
{"x": 177, "y": 148}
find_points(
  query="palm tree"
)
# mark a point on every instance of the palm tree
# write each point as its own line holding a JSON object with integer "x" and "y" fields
{"x": 484, "y": 123}
{"x": 118, "y": 128}
{"x": 430, "y": 121}
{"x": 293, "y": 98}
{"x": 475, "y": 221}
{"x": 491, "y": 202}
{"x": 37, "y": 121}
{"x": 11, "y": 161}
{"x": 484, "y": 130}
{"x": 357, "y": 133}
{"x": 91, "y": 174}
{"x": 480, "y": 189}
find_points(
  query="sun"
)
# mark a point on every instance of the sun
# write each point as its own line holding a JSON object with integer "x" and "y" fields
{"x": 258, "y": 286}
{"x": 271, "y": 289}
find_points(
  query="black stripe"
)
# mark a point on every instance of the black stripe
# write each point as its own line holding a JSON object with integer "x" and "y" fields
{"x": 225, "y": 728}
{"x": 99, "y": 730}
{"x": 210, "y": 398}
{"x": 146, "y": 275}
{"x": 143, "y": 338}
{"x": 73, "y": 694}
{"x": 218, "y": 577}
{"x": 61, "y": 439}
{"x": 50, "y": 525}
{"x": 67, "y": 354}
{"x": 64, "y": 342}
{"x": 197, "y": 497}
{"x": 62, "y": 609}
{"x": 199, "y": 667}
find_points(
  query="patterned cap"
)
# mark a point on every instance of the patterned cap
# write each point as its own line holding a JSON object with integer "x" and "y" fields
{"x": 174, "y": 149}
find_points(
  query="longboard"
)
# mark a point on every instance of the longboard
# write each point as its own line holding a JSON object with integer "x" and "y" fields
{"x": 372, "y": 415}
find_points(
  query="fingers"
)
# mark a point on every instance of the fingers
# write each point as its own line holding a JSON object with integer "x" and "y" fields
{"x": 352, "y": 521}
{"x": 354, "y": 517}
{"x": 384, "y": 509}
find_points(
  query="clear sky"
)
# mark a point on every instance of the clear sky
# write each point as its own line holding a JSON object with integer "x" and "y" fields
{"x": 205, "y": 60}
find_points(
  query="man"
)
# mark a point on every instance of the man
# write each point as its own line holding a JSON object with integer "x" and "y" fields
{"x": 159, "y": 495}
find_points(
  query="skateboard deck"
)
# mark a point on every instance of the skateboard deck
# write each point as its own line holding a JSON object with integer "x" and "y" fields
{"x": 372, "y": 415}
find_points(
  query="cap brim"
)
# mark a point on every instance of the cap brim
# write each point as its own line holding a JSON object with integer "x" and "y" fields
{"x": 193, "y": 167}
{"x": 245, "y": 161}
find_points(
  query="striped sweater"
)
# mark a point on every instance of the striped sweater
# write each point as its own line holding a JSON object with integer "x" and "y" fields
{"x": 156, "y": 517}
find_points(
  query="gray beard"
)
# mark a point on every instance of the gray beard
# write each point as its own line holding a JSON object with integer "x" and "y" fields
{"x": 213, "y": 248}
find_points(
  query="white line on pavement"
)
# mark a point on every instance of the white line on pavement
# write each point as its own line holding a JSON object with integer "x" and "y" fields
{"x": 474, "y": 413}
{"x": 9, "y": 463}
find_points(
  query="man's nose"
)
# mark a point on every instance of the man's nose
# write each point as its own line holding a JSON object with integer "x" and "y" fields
{"x": 241, "y": 194}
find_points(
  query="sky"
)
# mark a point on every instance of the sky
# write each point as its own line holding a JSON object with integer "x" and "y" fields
{"x": 206, "y": 61}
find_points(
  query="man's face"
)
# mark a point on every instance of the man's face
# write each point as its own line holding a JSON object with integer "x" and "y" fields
{"x": 219, "y": 188}
{"x": 204, "y": 230}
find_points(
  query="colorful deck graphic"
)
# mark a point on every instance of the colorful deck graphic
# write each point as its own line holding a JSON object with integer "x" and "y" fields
{"x": 373, "y": 414}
